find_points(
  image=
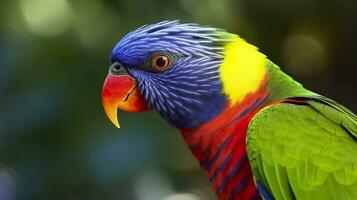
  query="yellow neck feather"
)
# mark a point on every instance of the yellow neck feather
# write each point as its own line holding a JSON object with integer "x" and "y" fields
{"x": 242, "y": 69}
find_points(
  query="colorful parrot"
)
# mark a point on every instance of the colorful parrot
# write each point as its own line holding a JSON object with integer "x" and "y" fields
{"x": 256, "y": 132}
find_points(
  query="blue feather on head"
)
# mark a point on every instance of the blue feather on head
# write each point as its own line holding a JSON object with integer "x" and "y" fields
{"x": 189, "y": 92}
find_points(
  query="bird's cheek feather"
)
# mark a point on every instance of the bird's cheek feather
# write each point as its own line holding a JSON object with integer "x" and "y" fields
{"x": 120, "y": 91}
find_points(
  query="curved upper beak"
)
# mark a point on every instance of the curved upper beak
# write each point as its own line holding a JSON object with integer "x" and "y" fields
{"x": 121, "y": 91}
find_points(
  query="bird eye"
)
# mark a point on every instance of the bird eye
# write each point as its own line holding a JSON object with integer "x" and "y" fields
{"x": 160, "y": 62}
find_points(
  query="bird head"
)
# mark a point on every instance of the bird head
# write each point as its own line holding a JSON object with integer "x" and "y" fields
{"x": 172, "y": 67}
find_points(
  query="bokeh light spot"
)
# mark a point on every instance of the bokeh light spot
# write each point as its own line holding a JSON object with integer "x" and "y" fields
{"x": 152, "y": 185}
{"x": 47, "y": 18}
{"x": 7, "y": 185}
{"x": 304, "y": 54}
{"x": 182, "y": 196}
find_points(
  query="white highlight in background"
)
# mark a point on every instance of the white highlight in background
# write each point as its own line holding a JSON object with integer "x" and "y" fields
{"x": 47, "y": 18}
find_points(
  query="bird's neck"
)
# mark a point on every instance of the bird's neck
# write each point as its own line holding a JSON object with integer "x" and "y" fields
{"x": 233, "y": 119}
{"x": 242, "y": 71}
{"x": 219, "y": 145}
{"x": 274, "y": 87}
{"x": 245, "y": 72}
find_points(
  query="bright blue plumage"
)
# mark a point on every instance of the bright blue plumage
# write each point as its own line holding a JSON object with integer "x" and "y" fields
{"x": 189, "y": 93}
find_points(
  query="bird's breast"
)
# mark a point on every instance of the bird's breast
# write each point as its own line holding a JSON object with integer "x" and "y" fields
{"x": 220, "y": 148}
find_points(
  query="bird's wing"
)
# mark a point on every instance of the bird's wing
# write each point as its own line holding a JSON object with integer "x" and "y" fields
{"x": 304, "y": 151}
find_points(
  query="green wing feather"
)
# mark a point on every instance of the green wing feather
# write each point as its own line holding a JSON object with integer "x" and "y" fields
{"x": 305, "y": 151}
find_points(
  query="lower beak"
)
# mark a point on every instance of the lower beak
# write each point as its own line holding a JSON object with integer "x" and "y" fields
{"x": 121, "y": 91}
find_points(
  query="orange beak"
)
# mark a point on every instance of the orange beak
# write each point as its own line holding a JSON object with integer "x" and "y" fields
{"x": 121, "y": 91}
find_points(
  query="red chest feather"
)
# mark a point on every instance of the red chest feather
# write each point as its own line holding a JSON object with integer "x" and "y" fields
{"x": 220, "y": 148}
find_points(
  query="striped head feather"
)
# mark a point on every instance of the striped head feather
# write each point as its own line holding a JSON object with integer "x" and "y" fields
{"x": 190, "y": 92}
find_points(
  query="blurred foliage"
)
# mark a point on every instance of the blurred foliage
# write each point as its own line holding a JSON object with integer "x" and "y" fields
{"x": 55, "y": 140}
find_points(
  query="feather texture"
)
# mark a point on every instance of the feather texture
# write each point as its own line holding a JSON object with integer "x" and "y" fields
{"x": 309, "y": 154}
{"x": 255, "y": 131}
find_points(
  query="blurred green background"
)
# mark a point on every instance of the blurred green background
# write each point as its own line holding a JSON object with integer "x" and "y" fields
{"x": 55, "y": 140}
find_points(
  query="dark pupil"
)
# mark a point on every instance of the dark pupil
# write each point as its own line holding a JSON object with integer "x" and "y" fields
{"x": 160, "y": 62}
{"x": 116, "y": 67}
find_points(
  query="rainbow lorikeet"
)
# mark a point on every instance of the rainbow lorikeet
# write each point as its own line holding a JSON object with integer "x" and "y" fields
{"x": 256, "y": 132}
